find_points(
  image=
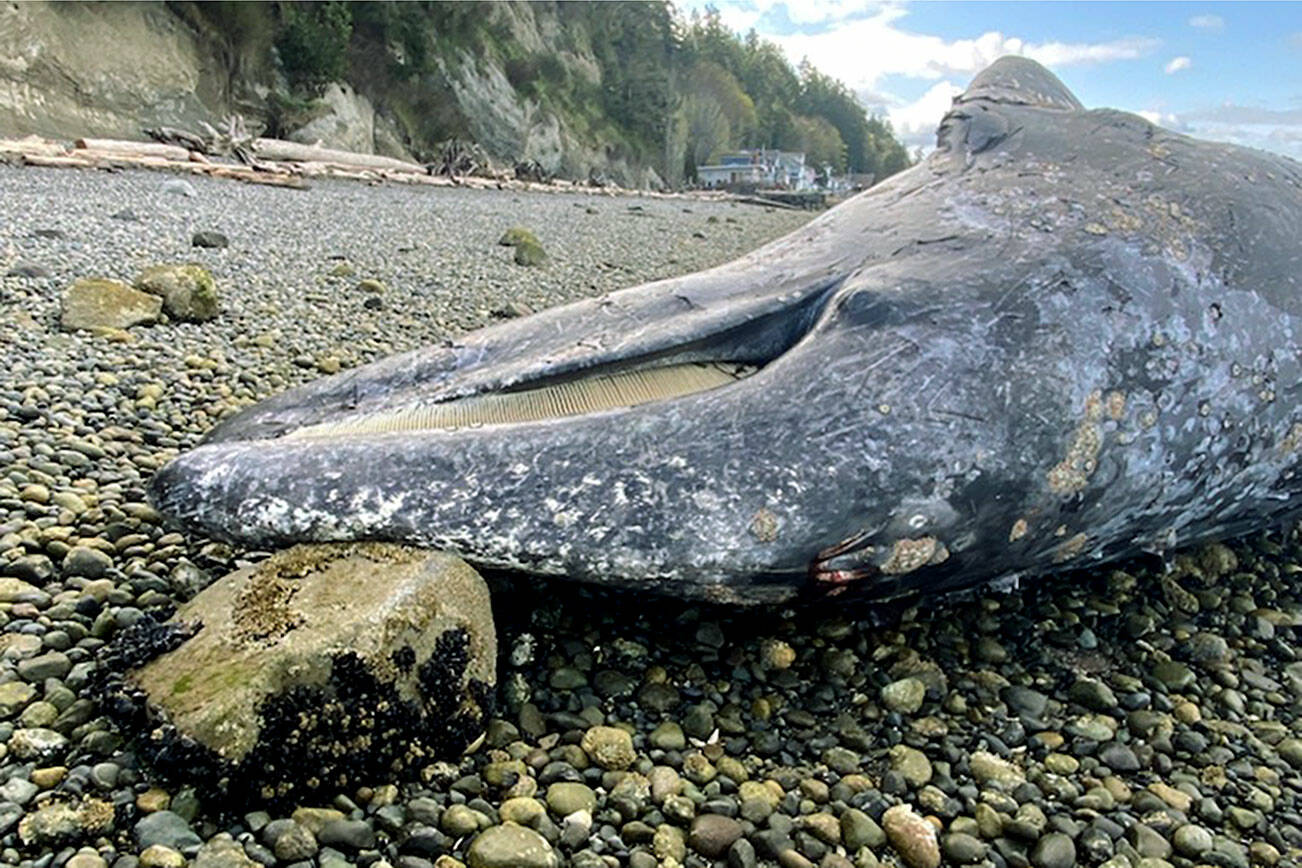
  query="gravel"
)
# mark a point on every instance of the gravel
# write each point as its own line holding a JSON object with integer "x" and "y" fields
{"x": 1147, "y": 712}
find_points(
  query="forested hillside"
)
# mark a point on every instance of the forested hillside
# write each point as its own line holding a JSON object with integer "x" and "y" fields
{"x": 669, "y": 92}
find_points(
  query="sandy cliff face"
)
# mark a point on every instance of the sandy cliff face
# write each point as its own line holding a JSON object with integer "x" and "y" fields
{"x": 102, "y": 69}
{"x": 112, "y": 69}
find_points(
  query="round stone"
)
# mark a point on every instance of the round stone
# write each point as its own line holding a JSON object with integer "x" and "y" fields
{"x": 667, "y": 736}
{"x": 35, "y": 743}
{"x": 1054, "y": 850}
{"x": 912, "y": 764}
{"x": 459, "y": 821}
{"x": 912, "y": 837}
{"x": 904, "y": 696}
{"x": 166, "y": 828}
{"x": 564, "y": 798}
{"x": 860, "y": 830}
{"x": 609, "y": 747}
{"x": 85, "y": 561}
{"x": 511, "y": 846}
{"x": 159, "y": 856}
{"x": 522, "y": 810}
{"x": 1191, "y": 840}
{"x": 963, "y": 848}
{"x": 713, "y": 834}
{"x": 295, "y": 844}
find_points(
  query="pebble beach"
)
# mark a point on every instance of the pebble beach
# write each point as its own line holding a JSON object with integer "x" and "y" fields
{"x": 1143, "y": 715}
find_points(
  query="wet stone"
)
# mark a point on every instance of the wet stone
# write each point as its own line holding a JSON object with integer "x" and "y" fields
{"x": 912, "y": 837}
{"x": 295, "y": 843}
{"x": 565, "y": 798}
{"x": 86, "y": 562}
{"x": 668, "y": 736}
{"x": 711, "y": 834}
{"x": 36, "y": 669}
{"x": 222, "y": 851}
{"x": 419, "y": 666}
{"x": 609, "y": 747}
{"x": 1174, "y": 675}
{"x": 35, "y": 743}
{"x": 167, "y": 829}
{"x": 510, "y": 846}
{"x": 905, "y": 695}
{"x": 1054, "y": 850}
{"x": 1094, "y": 695}
{"x": 1192, "y": 841}
{"x": 963, "y": 848}
{"x": 209, "y": 238}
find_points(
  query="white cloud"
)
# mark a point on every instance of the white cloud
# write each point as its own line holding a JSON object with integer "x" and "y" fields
{"x": 1161, "y": 119}
{"x": 1178, "y": 64}
{"x": 742, "y": 15}
{"x": 1231, "y": 113}
{"x": 739, "y": 17}
{"x": 1207, "y": 22}
{"x": 822, "y": 11}
{"x": 864, "y": 50}
{"x": 915, "y": 123}
{"x": 1278, "y": 130}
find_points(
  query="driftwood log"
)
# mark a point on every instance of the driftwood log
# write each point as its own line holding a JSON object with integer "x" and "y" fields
{"x": 279, "y": 150}
{"x": 134, "y": 149}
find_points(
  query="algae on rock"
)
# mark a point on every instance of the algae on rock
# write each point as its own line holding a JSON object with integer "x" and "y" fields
{"x": 95, "y": 303}
{"x": 327, "y": 663}
{"x": 188, "y": 291}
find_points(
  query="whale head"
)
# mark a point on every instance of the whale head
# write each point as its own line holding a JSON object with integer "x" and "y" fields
{"x": 1017, "y": 356}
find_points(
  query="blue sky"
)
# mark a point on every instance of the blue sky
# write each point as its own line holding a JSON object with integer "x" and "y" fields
{"x": 1229, "y": 71}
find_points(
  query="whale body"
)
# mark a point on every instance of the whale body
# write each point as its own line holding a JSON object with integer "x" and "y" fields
{"x": 1067, "y": 336}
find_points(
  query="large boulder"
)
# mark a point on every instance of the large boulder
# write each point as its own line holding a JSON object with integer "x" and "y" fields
{"x": 188, "y": 291}
{"x": 322, "y": 667}
{"x": 95, "y": 303}
{"x": 345, "y": 120}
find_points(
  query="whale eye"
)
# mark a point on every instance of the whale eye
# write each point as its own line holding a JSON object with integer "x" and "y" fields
{"x": 863, "y": 307}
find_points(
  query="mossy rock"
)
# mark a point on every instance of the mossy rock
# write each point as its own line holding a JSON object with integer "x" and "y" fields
{"x": 95, "y": 303}
{"x": 372, "y": 285}
{"x": 518, "y": 235}
{"x": 322, "y": 667}
{"x": 530, "y": 254}
{"x": 343, "y": 269}
{"x": 189, "y": 291}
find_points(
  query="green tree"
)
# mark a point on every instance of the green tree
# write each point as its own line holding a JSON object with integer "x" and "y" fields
{"x": 313, "y": 43}
{"x": 635, "y": 45}
{"x": 718, "y": 114}
{"x": 820, "y": 141}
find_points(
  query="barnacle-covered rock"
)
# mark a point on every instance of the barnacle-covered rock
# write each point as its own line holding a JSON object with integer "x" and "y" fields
{"x": 319, "y": 668}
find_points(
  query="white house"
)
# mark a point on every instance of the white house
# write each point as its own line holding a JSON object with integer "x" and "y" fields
{"x": 784, "y": 170}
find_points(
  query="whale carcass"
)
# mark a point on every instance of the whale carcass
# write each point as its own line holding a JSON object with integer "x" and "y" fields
{"x": 1065, "y": 337}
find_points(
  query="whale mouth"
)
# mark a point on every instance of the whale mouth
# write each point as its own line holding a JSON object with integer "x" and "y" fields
{"x": 520, "y": 375}
{"x": 593, "y": 392}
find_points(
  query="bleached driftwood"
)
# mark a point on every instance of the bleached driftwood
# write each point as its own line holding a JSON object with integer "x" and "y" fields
{"x": 32, "y": 145}
{"x": 293, "y": 152}
{"x": 124, "y": 148}
{"x": 56, "y": 161}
